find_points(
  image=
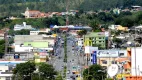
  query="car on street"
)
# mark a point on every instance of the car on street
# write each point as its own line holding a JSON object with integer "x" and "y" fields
{"x": 68, "y": 72}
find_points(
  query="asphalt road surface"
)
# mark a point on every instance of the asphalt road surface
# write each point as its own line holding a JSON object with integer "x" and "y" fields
{"x": 74, "y": 60}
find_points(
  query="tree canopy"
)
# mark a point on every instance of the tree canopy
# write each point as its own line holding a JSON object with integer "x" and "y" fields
{"x": 47, "y": 71}
{"x": 24, "y": 70}
{"x": 95, "y": 72}
{"x": 16, "y": 7}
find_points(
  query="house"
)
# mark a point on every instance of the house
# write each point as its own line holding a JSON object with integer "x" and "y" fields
{"x": 22, "y": 26}
{"x": 121, "y": 28}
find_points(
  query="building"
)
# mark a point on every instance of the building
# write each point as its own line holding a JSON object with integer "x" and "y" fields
{"x": 80, "y": 41}
{"x": 39, "y": 31}
{"x": 22, "y": 26}
{"x": 136, "y": 69}
{"x": 95, "y": 39}
{"x": 34, "y": 14}
{"x": 6, "y": 68}
{"x": 121, "y": 28}
{"x": 107, "y": 57}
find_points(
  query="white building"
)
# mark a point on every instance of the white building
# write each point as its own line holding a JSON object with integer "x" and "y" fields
{"x": 37, "y": 32}
{"x": 22, "y": 26}
{"x": 80, "y": 42}
{"x": 136, "y": 61}
{"x": 113, "y": 27}
{"x": 6, "y": 69}
{"x": 21, "y": 48}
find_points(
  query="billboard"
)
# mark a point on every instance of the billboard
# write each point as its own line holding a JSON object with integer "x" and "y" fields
{"x": 107, "y": 53}
{"x": 111, "y": 53}
{"x": 95, "y": 57}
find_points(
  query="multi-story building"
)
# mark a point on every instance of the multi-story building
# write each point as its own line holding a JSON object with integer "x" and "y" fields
{"x": 96, "y": 39}
{"x": 108, "y": 57}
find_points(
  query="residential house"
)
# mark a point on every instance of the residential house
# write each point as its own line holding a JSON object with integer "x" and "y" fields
{"x": 121, "y": 28}
{"x": 22, "y": 26}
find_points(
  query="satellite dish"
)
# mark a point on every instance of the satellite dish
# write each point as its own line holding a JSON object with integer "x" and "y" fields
{"x": 113, "y": 70}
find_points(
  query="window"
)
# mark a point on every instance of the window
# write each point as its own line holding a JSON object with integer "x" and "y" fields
{"x": 21, "y": 45}
{"x": 121, "y": 54}
{"x": 29, "y": 44}
{"x": 104, "y": 62}
{"x": 91, "y": 60}
{"x": 100, "y": 41}
{"x": 7, "y": 78}
{"x": 114, "y": 62}
{"x": 100, "y": 38}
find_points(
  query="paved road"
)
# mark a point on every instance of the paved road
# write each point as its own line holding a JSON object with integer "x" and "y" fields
{"x": 74, "y": 58}
{"x": 74, "y": 61}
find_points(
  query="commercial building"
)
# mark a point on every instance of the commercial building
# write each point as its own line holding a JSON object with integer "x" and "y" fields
{"x": 96, "y": 39}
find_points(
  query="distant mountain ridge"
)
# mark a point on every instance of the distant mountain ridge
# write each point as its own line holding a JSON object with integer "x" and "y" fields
{"x": 15, "y": 7}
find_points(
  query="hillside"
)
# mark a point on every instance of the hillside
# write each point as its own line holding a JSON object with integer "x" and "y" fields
{"x": 15, "y": 7}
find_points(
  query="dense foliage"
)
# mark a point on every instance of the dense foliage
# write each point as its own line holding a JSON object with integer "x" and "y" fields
{"x": 95, "y": 72}
{"x": 96, "y": 21}
{"x": 16, "y": 7}
{"x": 2, "y": 48}
{"x": 27, "y": 71}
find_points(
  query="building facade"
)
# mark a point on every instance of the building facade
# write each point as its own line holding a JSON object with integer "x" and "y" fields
{"x": 96, "y": 39}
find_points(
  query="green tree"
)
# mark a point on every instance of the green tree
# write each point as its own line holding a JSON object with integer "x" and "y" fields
{"x": 95, "y": 25}
{"x": 24, "y": 70}
{"x": 94, "y": 72}
{"x": 117, "y": 40}
{"x": 47, "y": 71}
{"x": 59, "y": 77}
{"x": 2, "y": 48}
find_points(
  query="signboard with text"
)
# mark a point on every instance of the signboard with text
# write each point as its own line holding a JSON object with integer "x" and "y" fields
{"x": 107, "y": 53}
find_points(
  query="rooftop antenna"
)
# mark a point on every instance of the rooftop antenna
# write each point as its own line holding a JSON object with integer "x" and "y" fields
{"x": 6, "y": 42}
{"x": 67, "y": 11}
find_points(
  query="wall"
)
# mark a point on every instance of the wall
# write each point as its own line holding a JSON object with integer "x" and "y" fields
{"x": 136, "y": 58}
{"x": 3, "y": 68}
{"x": 37, "y": 44}
{"x": 19, "y": 48}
